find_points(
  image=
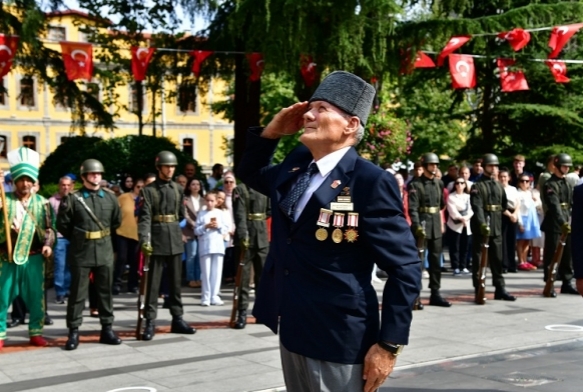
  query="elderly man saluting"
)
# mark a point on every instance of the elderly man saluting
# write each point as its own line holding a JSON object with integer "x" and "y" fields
{"x": 334, "y": 215}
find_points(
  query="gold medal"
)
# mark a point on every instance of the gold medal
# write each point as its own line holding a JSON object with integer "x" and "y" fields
{"x": 351, "y": 235}
{"x": 337, "y": 236}
{"x": 321, "y": 234}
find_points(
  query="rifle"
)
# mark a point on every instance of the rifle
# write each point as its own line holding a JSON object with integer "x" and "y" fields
{"x": 481, "y": 291}
{"x": 237, "y": 288}
{"x": 142, "y": 294}
{"x": 549, "y": 289}
{"x": 421, "y": 252}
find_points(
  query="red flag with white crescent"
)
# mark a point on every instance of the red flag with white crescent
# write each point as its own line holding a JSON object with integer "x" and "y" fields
{"x": 423, "y": 61}
{"x": 511, "y": 80}
{"x": 559, "y": 37}
{"x": 78, "y": 59}
{"x": 256, "y": 64}
{"x": 8, "y": 47}
{"x": 308, "y": 70}
{"x": 140, "y": 60}
{"x": 199, "y": 57}
{"x": 453, "y": 44}
{"x": 463, "y": 72}
{"x": 559, "y": 71}
{"x": 517, "y": 38}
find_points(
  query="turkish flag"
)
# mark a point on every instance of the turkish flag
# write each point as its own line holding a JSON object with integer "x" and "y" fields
{"x": 78, "y": 59}
{"x": 256, "y": 64}
{"x": 199, "y": 57}
{"x": 463, "y": 73}
{"x": 423, "y": 61}
{"x": 517, "y": 38}
{"x": 559, "y": 37}
{"x": 559, "y": 71}
{"x": 308, "y": 70}
{"x": 452, "y": 44}
{"x": 8, "y": 46}
{"x": 511, "y": 80}
{"x": 140, "y": 60}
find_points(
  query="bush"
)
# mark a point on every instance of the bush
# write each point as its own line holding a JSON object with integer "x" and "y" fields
{"x": 133, "y": 155}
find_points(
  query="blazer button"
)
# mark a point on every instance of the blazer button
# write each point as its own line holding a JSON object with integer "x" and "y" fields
{"x": 286, "y": 272}
{"x": 289, "y": 241}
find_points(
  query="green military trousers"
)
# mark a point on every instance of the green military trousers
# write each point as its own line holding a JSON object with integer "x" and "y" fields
{"x": 28, "y": 281}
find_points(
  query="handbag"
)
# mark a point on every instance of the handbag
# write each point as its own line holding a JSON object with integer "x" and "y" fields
{"x": 464, "y": 212}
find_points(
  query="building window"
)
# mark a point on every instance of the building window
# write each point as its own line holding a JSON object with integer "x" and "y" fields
{"x": 134, "y": 96}
{"x": 29, "y": 141}
{"x": 86, "y": 33}
{"x": 4, "y": 143}
{"x": 57, "y": 33}
{"x": 27, "y": 92}
{"x": 188, "y": 146}
{"x": 187, "y": 98}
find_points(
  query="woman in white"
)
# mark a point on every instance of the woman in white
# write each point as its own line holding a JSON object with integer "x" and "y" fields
{"x": 458, "y": 225}
{"x": 529, "y": 228}
{"x": 210, "y": 228}
{"x": 510, "y": 221}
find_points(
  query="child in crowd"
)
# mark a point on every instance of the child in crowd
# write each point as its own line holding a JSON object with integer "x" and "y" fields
{"x": 210, "y": 228}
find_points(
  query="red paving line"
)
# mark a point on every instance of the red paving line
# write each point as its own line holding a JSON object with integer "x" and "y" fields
{"x": 126, "y": 335}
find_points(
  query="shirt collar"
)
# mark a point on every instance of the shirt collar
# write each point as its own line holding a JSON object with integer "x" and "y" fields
{"x": 330, "y": 161}
{"x": 86, "y": 193}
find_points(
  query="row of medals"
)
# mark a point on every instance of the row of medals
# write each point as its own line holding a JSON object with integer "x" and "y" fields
{"x": 350, "y": 234}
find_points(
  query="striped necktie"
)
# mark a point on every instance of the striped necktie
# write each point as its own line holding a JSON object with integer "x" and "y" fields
{"x": 288, "y": 204}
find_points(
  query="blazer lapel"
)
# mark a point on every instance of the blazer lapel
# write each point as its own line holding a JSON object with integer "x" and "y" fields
{"x": 290, "y": 169}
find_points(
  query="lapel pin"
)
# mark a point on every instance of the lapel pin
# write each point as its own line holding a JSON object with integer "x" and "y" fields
{"x": 294, "y": 169}
{"x": 335, "y": 184}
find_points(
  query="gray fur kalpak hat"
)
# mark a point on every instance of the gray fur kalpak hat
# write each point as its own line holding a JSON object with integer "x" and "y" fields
{"x": 348, "y": 92}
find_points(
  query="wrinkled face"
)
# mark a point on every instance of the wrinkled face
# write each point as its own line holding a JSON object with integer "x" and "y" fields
{"x": 323, "y": 123}
{"x": 24, "y": 185}
{"x": 189, "y": 170}
{"x": 518, "y": 165}
{"x": 195, "y": 187}
{"x": 65, "y": 186}
{"x": 229, "y": 184}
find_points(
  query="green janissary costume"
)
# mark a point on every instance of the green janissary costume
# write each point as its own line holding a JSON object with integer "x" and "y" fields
{"x": 32, "y": 227}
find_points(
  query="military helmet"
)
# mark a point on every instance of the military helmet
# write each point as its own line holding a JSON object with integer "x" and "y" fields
{"x": 562, "y": 159}
{"x": 91, "y": 166}
{"x": 490, "y": 159}
{"x": 428, "y": 158}
{"x": 166, "y": 158}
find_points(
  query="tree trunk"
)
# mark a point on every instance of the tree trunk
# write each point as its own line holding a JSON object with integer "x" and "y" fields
{"x": 247, "y": 95}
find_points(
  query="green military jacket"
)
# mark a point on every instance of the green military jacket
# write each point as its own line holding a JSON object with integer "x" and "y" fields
{"x": 486, "y": 193}
{"x": 74, "y": 222}
{"x": 544, "y": 176}
{"x": 557, "y": 195}
{"x": 425, "y": 192}
{"x": 162, "y": 198}
{"x": 248, "y": 201}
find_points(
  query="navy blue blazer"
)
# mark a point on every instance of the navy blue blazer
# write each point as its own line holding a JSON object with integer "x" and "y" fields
{"x": 320, "y": 291}
{"x": 577, "y": 232}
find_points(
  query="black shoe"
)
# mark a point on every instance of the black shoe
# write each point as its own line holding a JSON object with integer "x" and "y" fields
{"x": 115, "y": 290}
{"x": 437, "y": 300}
{"x": 73, "y": 340}
{"x": 552, "y": 295}
{"x": 15, "y": 323}
{"x": 418, "y": 305}
{"x": 503, "y": 295}
{"x": 60, "y": 299}
{"x": 149, "y": 330}
{"x": 566, "y": 288}
{"x": 48, "y": 319}
{"x": 241, "y": 321}
{"x": 108, "y": 336}
{"x": 180, "y": 326}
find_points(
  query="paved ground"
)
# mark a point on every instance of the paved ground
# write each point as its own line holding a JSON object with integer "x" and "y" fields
{"x": 534, "y": 343}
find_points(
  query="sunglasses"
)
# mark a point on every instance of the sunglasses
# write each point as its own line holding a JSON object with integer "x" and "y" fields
{"x": 460, "y": 183}
{"x": 524, "y": 180}
{"x": 229, "y": 182}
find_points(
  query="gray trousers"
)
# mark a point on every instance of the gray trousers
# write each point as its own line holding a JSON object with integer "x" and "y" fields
{"x": 303, "y": 374}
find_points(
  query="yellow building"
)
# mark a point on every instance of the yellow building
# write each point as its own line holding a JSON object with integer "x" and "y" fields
{"x": 33, "y": 120}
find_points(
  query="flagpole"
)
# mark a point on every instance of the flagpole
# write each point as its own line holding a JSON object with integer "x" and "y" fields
{"x": 5, "y": 214}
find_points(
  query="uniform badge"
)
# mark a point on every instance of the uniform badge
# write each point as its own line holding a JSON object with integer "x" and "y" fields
{"x": 323, "y": 221}
{"x": 295, "y": 169}
{"x": 335, "y": 184}
{"x": 338, "y": 223}
{"x": 351, "y": 234}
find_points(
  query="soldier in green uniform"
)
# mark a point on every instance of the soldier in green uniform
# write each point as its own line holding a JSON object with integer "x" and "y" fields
{"x": 87, "y": 218}
{"x": 251, "y": 209}
{"x": 425, "y": 205}
{"x": 32, "y": 233}
{"x": 557, "y": 195}
{"x": 488, "y": 199}
{"x": 161, "y": 238}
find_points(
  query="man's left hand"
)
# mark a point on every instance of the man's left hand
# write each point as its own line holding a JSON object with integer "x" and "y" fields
{"x": 47, "y": 251}
{"x": 579, "y": 284}
{"x": 378, "y": 364}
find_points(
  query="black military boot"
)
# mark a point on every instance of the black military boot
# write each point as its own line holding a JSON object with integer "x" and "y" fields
{"x": 108, "y": 336}
{"x": 48, "y": 319}
{"x": 418, "y": 305}
{"x": 73, "y": 339}
{"x": 241, "y": 321}
{"x": 502, "y": 294}
{"x": 180, "y": 326}
{"x": 437, "y": 300}
{"x": 567, "y": 288}
{"x": 149, "y": 330}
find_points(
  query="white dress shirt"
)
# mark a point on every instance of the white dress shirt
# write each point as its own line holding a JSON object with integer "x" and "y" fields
{"x": 325, "y": 166}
